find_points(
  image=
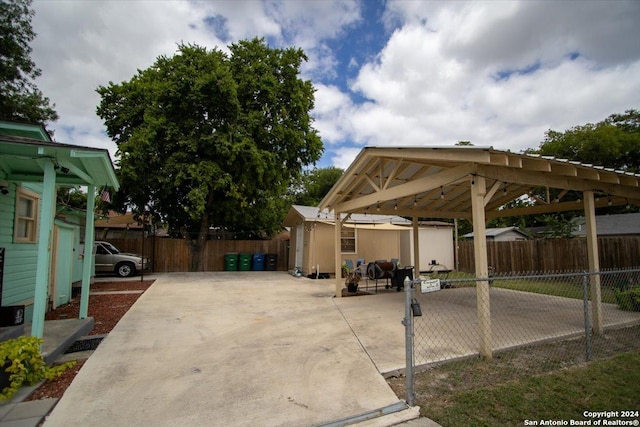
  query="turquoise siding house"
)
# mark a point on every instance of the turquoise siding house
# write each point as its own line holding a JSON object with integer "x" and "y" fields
{"x": 39, "y": 241}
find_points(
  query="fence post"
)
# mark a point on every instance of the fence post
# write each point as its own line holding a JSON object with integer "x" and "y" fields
{"x": 587, "y": 320}
{"x": 408, "y": 334}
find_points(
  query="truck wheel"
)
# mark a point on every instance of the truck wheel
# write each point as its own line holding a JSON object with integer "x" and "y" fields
{"x": 125, "y": 269}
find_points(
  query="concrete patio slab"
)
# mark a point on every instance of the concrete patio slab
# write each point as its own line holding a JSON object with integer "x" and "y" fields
{"x": 448, "y": 328}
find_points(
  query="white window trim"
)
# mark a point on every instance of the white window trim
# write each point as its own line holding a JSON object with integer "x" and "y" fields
{"x": 355, "y": 242}
{"x": 26, "y": 194}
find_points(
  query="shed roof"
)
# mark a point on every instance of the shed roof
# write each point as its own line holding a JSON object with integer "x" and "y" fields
{"x": 435, "y": 181}
{"x": 312, "y": 214}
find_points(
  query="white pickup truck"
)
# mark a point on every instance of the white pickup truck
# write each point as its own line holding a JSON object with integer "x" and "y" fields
{"x": 109, "y": 259}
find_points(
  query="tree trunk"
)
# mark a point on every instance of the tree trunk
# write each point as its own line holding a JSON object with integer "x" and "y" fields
{"x": 196, "y": 246}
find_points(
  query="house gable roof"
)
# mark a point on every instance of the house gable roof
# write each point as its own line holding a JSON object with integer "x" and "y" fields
{"x": 21, "y": 161}
{"x": 24, "y": 130}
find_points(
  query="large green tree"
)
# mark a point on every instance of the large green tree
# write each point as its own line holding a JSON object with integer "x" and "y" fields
{"x": 20, "y": 98}
{"x": 314, "y": 184}
{"x": 208, "y": 139}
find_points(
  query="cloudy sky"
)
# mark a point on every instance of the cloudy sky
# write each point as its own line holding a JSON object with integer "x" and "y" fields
{"x": 393, "y": 73}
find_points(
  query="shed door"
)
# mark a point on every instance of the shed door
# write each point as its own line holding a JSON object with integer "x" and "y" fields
{"x": 299, "y": 245}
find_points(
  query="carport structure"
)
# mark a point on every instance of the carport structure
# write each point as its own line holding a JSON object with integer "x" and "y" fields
{"x": 475, "y": 183}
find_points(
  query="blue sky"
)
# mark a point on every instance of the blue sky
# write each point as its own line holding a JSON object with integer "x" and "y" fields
{"x": 393, "y": 73}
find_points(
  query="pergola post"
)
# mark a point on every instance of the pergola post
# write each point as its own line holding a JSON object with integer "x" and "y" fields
{"x": 594, "y": 263}
{"x": 416, "y": 247}
{"x": 338, "y": 257}
{"x": 478, "y": 191}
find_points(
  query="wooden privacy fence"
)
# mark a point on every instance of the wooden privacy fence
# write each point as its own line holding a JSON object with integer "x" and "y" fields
{"x": 553, "y": 254}
{"x": 172, "y": 255}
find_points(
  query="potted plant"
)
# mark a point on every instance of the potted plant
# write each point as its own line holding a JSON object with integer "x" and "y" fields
{"x": 24, "y": 363}
{"x": 352, "y": 278}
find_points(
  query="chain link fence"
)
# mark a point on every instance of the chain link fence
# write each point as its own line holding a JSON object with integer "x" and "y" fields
{"x": 565, "y": 318}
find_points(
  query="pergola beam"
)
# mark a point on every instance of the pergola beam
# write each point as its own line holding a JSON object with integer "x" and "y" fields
{"x": 419, "y": 185}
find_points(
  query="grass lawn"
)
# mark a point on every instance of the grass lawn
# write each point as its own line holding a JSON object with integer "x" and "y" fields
{"x": 567, "y": 287}
{"x": 544, "y": 382}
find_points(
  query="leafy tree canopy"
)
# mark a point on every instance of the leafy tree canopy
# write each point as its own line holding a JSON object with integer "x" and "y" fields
{"x": 314, "y": 184}
{"x": 208, "y": 139}
{"x": 20, "y": 99}
{"x": 613, "y": 142}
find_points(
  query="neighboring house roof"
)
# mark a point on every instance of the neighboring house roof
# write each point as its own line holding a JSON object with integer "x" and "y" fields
{"x": 117, "y": 220}
{"x": 613, "y": 225}
{"x": 495, "y": 232}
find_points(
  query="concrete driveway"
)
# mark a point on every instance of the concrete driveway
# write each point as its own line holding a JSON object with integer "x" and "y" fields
{"x": 227, "y": 349}
{"x": 268, "y": 349}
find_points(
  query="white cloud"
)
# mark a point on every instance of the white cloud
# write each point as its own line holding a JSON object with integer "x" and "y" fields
{"x": 435, "y": 82}
{"x": 331, "y": 113}
{"x": 493, "y": 73}
{"x": 82, "y": 45}
{"x": 343, "y": 157}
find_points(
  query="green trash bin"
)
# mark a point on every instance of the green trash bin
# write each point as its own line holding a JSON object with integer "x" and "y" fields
{"x": 231, "y": 261}
{"x": 244, "y": 262}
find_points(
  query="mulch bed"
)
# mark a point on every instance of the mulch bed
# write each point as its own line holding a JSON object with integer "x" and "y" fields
{"x": 106, "y": 310}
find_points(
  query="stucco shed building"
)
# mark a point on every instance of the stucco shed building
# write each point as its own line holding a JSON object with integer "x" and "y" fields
{"x": 367, "y": 237}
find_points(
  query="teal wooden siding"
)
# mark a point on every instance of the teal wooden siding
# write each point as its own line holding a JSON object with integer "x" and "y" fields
{"x": 20, "y": 259}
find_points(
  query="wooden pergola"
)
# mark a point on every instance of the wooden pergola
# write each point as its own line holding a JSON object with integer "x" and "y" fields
{"x": 475, "y": 183}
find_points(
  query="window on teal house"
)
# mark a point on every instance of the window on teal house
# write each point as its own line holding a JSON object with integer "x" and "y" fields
{"x": 26, "y": 221}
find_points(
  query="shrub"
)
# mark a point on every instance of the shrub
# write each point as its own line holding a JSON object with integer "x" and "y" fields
{"x": 629, "y": 299}
{"x": 24, "y": 363}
